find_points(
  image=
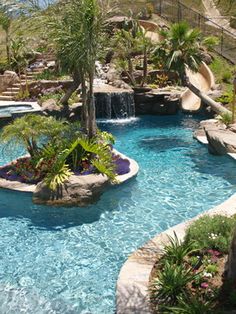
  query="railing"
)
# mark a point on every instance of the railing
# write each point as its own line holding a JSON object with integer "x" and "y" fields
{"x": 176, "y": 11}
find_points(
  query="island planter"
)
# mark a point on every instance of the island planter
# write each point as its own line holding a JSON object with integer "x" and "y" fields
{"x": 79, "y": 190}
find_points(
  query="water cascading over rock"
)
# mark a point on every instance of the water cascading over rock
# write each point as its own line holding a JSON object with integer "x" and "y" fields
{"x": 111, "y": 102}
{"x": 114, "y": 104}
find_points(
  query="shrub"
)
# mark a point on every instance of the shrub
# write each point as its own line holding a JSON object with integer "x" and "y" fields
{"x": 171, "y": 282}
{"x": 211, "y": 232}
{"x": 226, "y": 76}
{"x": 225, "y": 118}
{"x": 226, "y": 97}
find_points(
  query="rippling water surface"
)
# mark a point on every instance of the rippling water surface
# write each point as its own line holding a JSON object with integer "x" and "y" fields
{"x": 66, "y": 260}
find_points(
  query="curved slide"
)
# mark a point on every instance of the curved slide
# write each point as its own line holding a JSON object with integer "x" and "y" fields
{"x": 204, "y": 81}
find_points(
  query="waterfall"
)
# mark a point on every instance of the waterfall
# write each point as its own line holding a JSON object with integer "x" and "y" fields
{"x": 111, "y": 102}
{"x": 114, "y": 105}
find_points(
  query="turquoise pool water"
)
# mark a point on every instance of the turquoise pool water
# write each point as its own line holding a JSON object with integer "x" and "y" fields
{"x": 66, "y": 260}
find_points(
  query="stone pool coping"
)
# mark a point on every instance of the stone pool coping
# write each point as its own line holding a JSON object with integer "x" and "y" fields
{"x": 35, "y": 107}
{"x": 30, "y": 188}
{"x": 133, "y": 280}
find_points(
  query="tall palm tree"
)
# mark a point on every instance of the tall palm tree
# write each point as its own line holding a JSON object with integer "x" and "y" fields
{"x": 77, "y": 30}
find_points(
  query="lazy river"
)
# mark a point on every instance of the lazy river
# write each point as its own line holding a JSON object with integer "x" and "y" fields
{"x": 67, "y": 260}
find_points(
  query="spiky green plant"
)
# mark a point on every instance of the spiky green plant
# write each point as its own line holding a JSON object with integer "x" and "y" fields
{"x": 180, "y": 48}
{"x": 170, "y": 283}
{"x": 175, "y": 251}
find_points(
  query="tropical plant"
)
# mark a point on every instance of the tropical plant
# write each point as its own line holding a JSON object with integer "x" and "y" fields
{"x": 175, "y": 251}
{"x": 180, "y": 48}
{"x": 77, "y": 29}
{"x": 170, "y": 283}
{"x": 191, "y": 305}
{"x": 60, "y": 170}
{"x": 20, "y": 54}
{"x": 30, "y": 129}
{"x": 128, "y": 43}
{"x": 211, "y": 232}
{"x": 102, "y": 156}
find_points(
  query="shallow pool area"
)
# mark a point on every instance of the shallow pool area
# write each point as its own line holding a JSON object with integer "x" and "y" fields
{"x": 15, "y": 108}
{"x": 67, "y": 260}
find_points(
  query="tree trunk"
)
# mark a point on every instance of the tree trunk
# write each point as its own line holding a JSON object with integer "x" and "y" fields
{"x": 8, "y": 46}
{"x": 215, "y": 106}
{"x": 92, "y": 127}
{"x": 76, "y": 82}
{"x": 131, "y": 71}
{"x": 84, "y": 117}
{"x": 231, "y": 265}
{"x": 145, "y": 67}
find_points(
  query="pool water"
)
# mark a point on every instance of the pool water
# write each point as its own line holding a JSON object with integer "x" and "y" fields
{"x": 67, "y": 260}
{"x": 6, "y": 110}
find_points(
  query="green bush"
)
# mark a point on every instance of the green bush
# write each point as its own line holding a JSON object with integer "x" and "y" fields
{"x": 226, "y": 97}
{"x": 212, "y": 232}
{"x": 4, "y": 66}
{"x": 227, "y": 76}
{"x": 226, "y": 118}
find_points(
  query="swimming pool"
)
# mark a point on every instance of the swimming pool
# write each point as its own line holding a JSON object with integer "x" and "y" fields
{"x": 67, "y": 260}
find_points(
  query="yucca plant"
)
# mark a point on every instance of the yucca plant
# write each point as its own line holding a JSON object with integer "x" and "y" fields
{"x": 191, "y": 305}
{"x": 170, "y": 283}
{"x": 175, "y": 251}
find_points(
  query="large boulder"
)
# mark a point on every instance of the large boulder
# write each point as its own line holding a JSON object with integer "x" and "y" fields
{"x": 78, "y": 191}
{"x": 220, "y": 141}
{"x": 165, "y": 103}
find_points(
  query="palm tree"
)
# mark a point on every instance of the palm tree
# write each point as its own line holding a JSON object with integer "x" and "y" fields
{"x": 180, "y": 48}
{"x": 29, "y": 129}
{"x": 128, "y": 43}
{"x": 77, "y": 30}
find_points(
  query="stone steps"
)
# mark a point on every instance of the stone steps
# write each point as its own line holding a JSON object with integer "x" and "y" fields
{"x": 6, "y": 97}
{"x": 10, "y": 93}
{"x": 13, "y": 89}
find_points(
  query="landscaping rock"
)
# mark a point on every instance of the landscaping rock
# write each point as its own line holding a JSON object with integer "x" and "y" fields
{"x": 78, "y": 191}
{"x": 156, "y": 103}
{"x": 220, "y": 142}
{"x": 207, "y": 124}
{"x": 232, "y": 127}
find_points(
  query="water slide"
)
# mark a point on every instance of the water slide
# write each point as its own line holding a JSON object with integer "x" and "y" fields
{"x": 204, "y": 81}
